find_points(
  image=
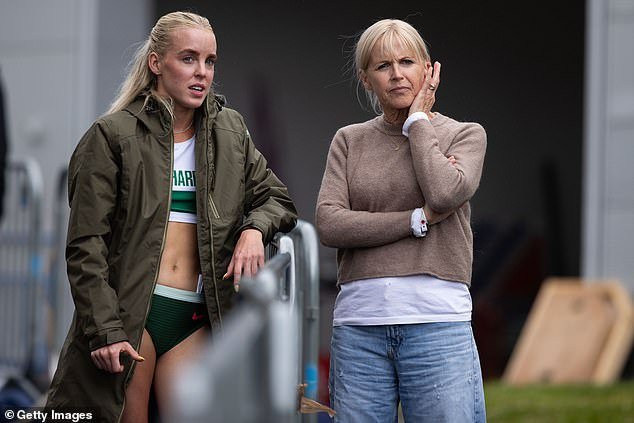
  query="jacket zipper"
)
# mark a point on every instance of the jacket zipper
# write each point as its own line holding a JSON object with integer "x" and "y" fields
{"x": 147, "y": 310}
{"x": 214, "y": 210}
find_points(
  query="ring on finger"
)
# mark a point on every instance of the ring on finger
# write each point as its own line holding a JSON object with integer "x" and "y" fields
{"x": 432, "y": 87}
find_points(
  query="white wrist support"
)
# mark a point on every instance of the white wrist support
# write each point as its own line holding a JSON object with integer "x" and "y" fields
{"x": 418, "y": 223}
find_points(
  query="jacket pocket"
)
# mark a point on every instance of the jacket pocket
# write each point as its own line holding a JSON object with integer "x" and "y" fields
{"x": 213, "y": 208}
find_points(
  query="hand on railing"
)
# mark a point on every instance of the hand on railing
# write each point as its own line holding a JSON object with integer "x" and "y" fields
{"x": 248, "y": 257}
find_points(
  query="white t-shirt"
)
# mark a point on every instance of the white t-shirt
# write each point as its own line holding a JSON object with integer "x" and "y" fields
{"x": 402, "y": 300}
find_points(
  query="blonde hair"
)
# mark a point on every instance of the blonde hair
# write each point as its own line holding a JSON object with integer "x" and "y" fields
{"x": 140, "y": 79}
{"x": 387, "y": 33}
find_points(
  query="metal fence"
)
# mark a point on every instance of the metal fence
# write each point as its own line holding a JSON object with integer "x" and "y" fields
{"x": 22, "y": 294}
{"x": 303, "y": 245}
{"x": 268, "y": 345}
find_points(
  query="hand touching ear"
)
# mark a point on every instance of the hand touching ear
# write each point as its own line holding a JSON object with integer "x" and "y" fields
{"x": 426, "y": 97}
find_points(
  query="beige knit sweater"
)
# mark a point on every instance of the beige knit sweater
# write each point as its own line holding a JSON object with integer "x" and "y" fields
{"x": 375, "y": 177}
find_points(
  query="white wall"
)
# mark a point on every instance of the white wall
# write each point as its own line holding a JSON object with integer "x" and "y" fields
{"x": 608, "y": 221}
{"x": 61, "y": 63}
{"x": 47, "y": 57}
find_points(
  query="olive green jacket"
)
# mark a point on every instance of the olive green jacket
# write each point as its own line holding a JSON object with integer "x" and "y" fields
{"x": 120, "y": 179}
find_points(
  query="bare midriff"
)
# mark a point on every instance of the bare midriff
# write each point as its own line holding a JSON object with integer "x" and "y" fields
{"x": 180, "y": 265}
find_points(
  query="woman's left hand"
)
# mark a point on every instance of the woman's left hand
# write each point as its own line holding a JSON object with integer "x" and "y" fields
{"x": 248, "y": 256}
{"x": 426, "y": 97}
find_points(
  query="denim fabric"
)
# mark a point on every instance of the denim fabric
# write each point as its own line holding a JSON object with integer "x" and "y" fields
{"x": 433, "y": 369}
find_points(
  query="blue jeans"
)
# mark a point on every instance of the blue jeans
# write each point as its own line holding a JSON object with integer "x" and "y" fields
{"x": 433, "y": 369}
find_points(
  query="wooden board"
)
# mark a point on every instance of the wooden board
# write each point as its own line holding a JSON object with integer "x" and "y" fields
{"x": 576, "y": 332}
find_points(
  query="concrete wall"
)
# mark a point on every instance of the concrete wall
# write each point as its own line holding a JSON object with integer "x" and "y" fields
{"x": 608, "y": 224}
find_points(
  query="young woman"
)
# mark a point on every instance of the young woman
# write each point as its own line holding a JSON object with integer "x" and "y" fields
{"x": 169, "y": 200}
{"x": 394, "y": 201}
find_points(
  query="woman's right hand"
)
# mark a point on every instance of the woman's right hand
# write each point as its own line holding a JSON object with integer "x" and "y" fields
{"x": 107, "y": 358}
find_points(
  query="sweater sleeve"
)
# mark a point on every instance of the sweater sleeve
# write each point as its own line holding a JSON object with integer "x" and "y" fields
{"x": 92, "y": 190}
{"x": 445, "y": 186}
{"x": 341, "y": 227}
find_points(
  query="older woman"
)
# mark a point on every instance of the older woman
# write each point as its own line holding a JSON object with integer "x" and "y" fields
{"x": 169, "y": 199}
{"x": 394, "y": 201}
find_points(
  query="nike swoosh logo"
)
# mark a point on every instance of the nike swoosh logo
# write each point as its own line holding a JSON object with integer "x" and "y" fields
{"x": 197, "y": 316}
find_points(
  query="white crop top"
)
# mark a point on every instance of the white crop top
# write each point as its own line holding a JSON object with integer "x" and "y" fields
{"x": 183, "y": 206}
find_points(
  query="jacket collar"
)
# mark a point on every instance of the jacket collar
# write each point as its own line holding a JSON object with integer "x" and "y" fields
{"x": 213, "y": 104}
{"x": 158, "y": 120}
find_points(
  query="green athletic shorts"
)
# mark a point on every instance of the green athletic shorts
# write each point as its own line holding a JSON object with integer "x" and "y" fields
{"x": 175, "y": 314}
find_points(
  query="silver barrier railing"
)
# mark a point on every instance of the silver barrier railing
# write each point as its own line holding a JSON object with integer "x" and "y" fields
{"x": 22, "y": 296}
{"x": 308, "y": 271}
{"x": 247, "y": 372}
{"x": 267, "y": 347}
{"x": 303, "y": 244}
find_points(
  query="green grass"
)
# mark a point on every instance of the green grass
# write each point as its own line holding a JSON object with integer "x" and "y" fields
{"x": 566, "y": 404}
